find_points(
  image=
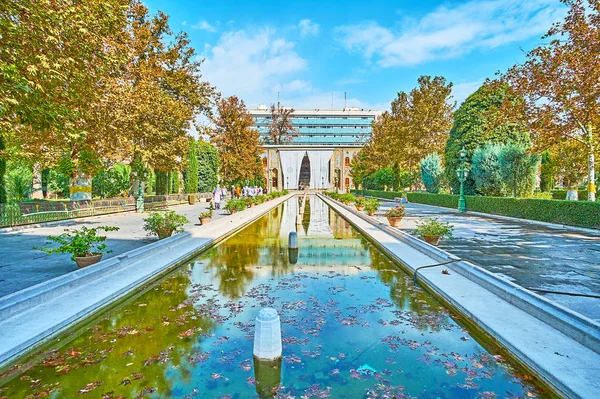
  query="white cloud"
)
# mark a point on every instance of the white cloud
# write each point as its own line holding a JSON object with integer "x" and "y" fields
{"x": 204, "y": 25}
{"x": 253, "y": 65}
{"x": 461, "y": 91}
{"x": 308, "y": 28}
{"x": 450, "y": 31}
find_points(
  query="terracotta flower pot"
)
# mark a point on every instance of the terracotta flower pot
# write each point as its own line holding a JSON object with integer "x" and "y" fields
{"x": 84, "y": 261}
{"x": 359, "y": 208}
{"x": 164, "y": 233}
{"x": 371, "y": 213}
{"x": 204, "y": 221}
{"x": 394, "y": 221}
{"x": 433, "y": 240}
{"x": 232, "y": 211}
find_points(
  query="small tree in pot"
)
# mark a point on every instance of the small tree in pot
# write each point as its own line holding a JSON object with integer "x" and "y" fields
{"x": 432, "y": 230}
{"x": 395, "y": 215}
{"x": 205, "y": 216}
{"x": 85, "y": 245}
{"x": 371, "y": 206}
{"x": 359, "y": 203}
{"x": 164, "y": 224}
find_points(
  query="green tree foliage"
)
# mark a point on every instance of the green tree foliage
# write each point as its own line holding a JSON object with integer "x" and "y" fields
{"x": 208, "y": 167}
{"x": 432, "y": 172}
{"x": 58, "y": 183}
{"x": 519, "y": 169}
{"x": 384, "y": 178}
{"x": 358, "y": 166}
{"x": 174, "y": 182}
{"x": 18, "y": 181}
{"x": 485, "y": 171}
{"x": 111, "y": 182}
{"x": 493, "y": 114}
{"x": 162, "y": 182}
{"x": 548, "y": 170}
{"x": 190, "y": 178}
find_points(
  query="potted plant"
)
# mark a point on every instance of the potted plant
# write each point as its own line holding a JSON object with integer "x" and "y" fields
{"x": 395, "y": 215}
{"x": 85, "y": 245}
{"x": 164, "y": 224}
{"x": 359, "y": 203}
{"x": 371, "y": 206}
{"x": 347, "y": 198}
{"x": 205, "y": 216}
{"x": 432, "y": 230}
{"x": 235, "y": 205}
{"x": 250, "y": 202}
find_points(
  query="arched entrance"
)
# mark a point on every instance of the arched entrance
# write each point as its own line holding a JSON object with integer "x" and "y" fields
{"x": 304, "y": 180}
{"x": 274, "y": 180}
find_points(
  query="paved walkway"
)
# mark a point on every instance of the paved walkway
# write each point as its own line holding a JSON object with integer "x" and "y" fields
{"x": 21, "y": 266}
{"x": 533, "y": 256}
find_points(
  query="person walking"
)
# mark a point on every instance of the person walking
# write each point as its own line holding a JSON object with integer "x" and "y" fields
{"x": 238, "y": 191}
{"x": 232, "y": 191}
{"x": 217, "y": 197}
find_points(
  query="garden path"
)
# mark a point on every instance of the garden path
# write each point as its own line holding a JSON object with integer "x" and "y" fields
{"x": 21, "y": 266}
{"x": 543, "y": 257}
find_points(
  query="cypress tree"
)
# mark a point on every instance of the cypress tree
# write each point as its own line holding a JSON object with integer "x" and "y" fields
{"x": 191, "y": 172}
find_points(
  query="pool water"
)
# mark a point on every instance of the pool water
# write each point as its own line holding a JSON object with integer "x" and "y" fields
{"x": 353, "y": 326}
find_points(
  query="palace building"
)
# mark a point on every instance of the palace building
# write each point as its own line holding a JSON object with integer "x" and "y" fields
{"x": 319, "y": 156}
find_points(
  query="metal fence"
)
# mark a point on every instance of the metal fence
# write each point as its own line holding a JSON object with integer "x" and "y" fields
{"x": 31, "y": 212}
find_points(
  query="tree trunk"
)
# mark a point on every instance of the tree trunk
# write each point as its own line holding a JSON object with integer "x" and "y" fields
{"x": 81, "y": 186}
{"x": 2, "y": 173}
{"x": 591, "y": 177}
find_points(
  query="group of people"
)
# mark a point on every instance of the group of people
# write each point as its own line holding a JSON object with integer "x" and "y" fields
{"x": 253, "y": 191}
{"x": 220, "y": 193}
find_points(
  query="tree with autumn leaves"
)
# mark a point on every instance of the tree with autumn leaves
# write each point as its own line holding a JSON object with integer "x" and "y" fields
{"x": 417, "y": 124}
{"x": 281, "y": 130}
{"x": 560, "y": 82}
{"x": 84, "y": 84}
{"x": 237, "y": 141}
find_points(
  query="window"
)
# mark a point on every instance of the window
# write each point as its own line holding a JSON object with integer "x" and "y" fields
{"x": 347, "y": 161}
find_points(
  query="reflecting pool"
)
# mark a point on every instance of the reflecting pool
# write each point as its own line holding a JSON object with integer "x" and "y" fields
{"x": 353, "y": 326}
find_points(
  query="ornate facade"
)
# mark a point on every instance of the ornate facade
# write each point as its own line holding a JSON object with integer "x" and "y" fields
{"x": 319, "y": 157}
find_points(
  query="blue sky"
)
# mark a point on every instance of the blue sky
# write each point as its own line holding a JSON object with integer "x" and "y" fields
{"x": 307, "y": 50}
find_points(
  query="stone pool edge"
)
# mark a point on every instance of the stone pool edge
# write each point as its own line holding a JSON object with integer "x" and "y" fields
{"x": 533, "y": 341}
{"x": 31, "y": 317}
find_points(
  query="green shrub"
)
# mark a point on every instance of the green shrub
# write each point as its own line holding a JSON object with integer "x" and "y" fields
{"x": 562, "y": 194}
{"x": 572, "y": 213}
{"x": 371, "y": 206}
{"x": 518, "y": 169}
{"x": 347, "y": 198}
{"x": 432, "y": 172}
{"x": 236, "y": 205}
{"x": 485, "y": 171}
{"x": 433, "y": 227}
{"x": 359, "y": 202}
{"x": 80, "y": 243}
{"x": 164, "y": 221}
{"x": 381, "y": 194}
{"x": 541, "y": 195}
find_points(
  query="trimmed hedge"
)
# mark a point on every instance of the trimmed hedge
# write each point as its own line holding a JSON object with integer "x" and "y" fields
{"x": 379, "y": 193}
{"x": 572, "y": 213}
{"x": 562, "y": 194}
